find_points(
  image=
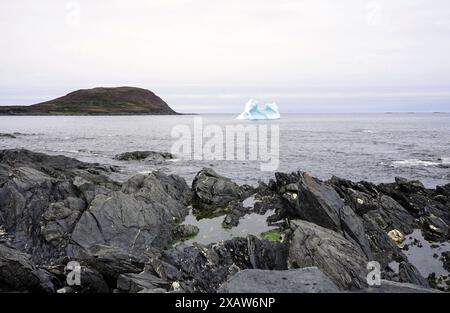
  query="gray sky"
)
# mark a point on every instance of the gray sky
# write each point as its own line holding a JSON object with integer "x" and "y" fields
{"x": 209, "y": 55}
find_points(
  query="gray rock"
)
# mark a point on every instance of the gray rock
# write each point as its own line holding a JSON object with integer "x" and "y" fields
{"x": 53, "y": 206}
{"x": 236, "y": 211}
{"x": 304, "y": 280}
{"x": 39, "y": 202}
{"x": 391, "y": 215}
{"x": 165, "y": 270}
{"x": 353, "y": 228}
{"x": 210, "y": 266}
{"x": 408, "y": 273}
{"x": 91, "y": 281}
{"x": 110, "y": 262}
{"x": 212, "y": 191}
{"x": 150, "y": 156}
{"x": 313, "y": 200}
{"x": 387, "y": 286}
{"x": 383, "y": 249}
{"x": 343, "y": 262}
{"x": 123, "y": 221}
{"x": 6, "y": 135}
{"x": 185, "y": 231}
{"x": 143, "y": 281}
{"x": 17, "y": 273}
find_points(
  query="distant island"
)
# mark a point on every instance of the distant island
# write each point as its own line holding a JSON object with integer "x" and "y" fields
{"x": 97, "y": 101}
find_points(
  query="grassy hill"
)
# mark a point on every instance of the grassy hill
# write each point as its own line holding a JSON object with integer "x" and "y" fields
{"x": 97, "y": 101}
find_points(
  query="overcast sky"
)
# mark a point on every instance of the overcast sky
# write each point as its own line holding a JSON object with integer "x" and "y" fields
{"x": 211, "y": 56}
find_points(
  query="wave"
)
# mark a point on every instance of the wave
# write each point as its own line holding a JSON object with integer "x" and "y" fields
{"x": 441, "y": 162}
{"x": 367, "y": 131}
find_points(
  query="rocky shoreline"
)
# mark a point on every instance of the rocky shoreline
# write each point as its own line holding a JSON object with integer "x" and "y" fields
{"x": 55, "y": 209}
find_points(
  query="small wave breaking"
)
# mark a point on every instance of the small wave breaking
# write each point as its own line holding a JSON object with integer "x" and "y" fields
{"x": 441, "y": 162}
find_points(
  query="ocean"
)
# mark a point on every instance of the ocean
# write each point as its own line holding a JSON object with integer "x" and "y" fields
{"x": 372, "y": 147}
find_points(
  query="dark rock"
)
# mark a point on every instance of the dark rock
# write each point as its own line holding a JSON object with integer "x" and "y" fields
{"x": 391, "y": 215}
{"x": 137, "y": 282}
{"x": 311, "y": 199}
{"x": 40, "y": 201}
{"x": 396, "y": 287}
{"x": 205, "y": 268}
{"x": 111, "y": 262}
{"x": 409, "y": 186}
{"x": 343, "y": 262}
{"x": 6, "y": 135}
{"x": 305, "y": 280}
{"x": 91, "y": 281}
{"x": 159, "y": 187}
{"x": 321, "y": 203}
{"x": 52, "y": 207}
{"x": 353, "y": 228}
{"x": 236, "y": 211}
{"x": 435, "y": 227}
{"x": 446, "y": 260}
{"x": 212, "y": 191}
{"x": 139, "y": 219}
{"x": 383, "y": 249}
{"x": 185, "y": 231}
{"x": 165, "y": 270}
{"x": 150, "y": 156}
{"x": 17, "y": 273}
{"x": 135, "y": 223}
{"x": 408, "y": 273}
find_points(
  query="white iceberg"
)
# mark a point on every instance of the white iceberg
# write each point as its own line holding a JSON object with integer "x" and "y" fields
{"x": 255, "y": 111}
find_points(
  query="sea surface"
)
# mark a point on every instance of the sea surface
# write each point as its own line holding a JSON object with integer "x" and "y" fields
{"x": 373, "y": 147}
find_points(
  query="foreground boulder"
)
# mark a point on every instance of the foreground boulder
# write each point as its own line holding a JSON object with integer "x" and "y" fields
{"x": 143, "y": 281}
{"x": 299, "y": 195}
{"x": 42, "y": 197}
{"x": 304, "y": 280}
{"x": 139, "y": 219}
{"x": 55, "y": 209}
{"x": 205, "y": 268}
{"x": 18, "y": 273}
{"x": 212, "y": 191}
{"x": 344, "y": 263}
{"x": 396, "y": 287}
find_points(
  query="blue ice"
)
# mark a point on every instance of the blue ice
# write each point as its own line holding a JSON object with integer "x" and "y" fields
{"x": 255, "y": 111}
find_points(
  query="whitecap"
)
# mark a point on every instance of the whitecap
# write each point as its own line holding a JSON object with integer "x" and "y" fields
{"x": 414, "y": 163}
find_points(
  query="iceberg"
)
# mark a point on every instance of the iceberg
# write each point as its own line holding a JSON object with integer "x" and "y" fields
{"x": 255, "y": 111}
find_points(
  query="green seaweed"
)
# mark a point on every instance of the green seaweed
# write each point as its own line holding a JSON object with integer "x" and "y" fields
{"x": 273, "y": 235}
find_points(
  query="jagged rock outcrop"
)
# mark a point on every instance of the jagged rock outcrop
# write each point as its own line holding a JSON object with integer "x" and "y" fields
{"x": 58, "y": 209}
{"x": 54, "y": 210}
{"x": 214, "y": 191}
{"x": 149, "y": 156}
{"x": 210, "y": 266}
{"x": 18, "y": 273}
{"x": 343, "y": 262}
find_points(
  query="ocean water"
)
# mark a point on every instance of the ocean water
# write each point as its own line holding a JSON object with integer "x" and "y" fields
{"x": 373, "y": 147}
